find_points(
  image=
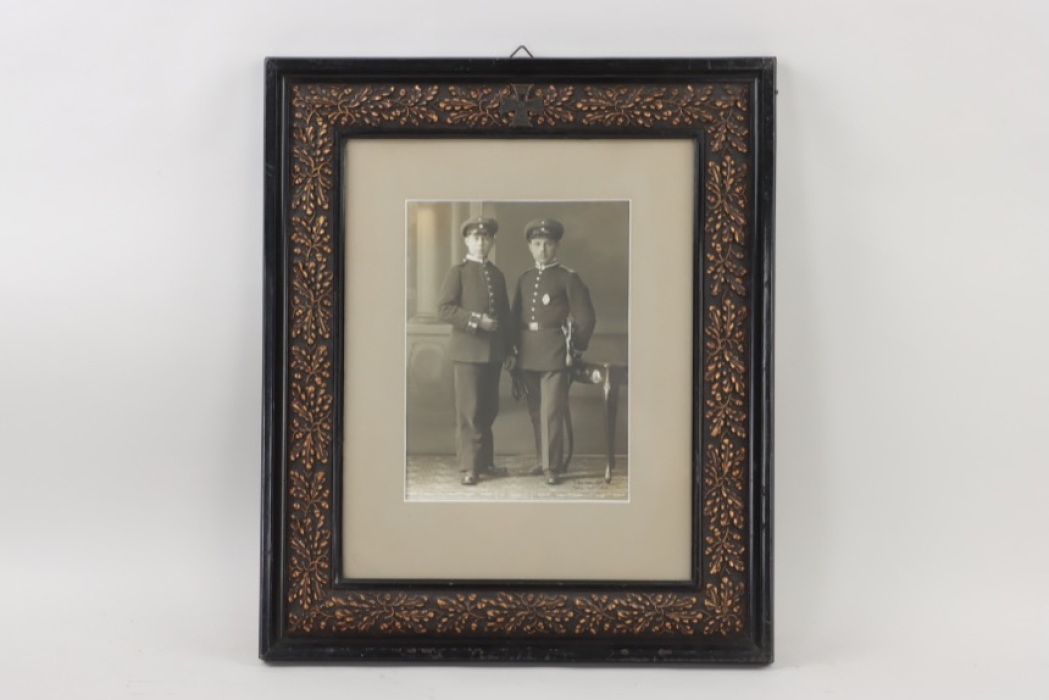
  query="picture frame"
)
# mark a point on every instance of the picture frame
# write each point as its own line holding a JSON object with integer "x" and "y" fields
{"x": 354, "y": 570}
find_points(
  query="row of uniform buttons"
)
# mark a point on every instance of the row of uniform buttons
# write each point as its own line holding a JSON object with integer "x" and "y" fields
{"x": 535, "y": 293}
{"x": 488, "y": 281}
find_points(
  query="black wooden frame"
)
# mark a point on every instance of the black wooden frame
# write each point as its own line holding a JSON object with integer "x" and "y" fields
{"x": 724, "y": 615}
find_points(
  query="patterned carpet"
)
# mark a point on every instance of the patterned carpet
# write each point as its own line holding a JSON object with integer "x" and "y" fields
{"x": 436, "y": 478}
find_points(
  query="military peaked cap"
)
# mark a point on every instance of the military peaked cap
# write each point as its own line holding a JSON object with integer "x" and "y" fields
{"x": 480, "y": 224}
{"x": 544, "y": 228}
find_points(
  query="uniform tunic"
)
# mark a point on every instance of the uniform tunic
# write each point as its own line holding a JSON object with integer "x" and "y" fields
{"x": 470, "y": 289}
{"x": 544, "y": 301}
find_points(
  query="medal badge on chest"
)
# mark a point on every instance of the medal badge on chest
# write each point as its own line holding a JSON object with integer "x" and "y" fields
{"x": 546, "y": 300}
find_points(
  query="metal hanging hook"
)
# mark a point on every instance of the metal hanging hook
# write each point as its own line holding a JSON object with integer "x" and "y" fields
{"x": 519, "y": 48}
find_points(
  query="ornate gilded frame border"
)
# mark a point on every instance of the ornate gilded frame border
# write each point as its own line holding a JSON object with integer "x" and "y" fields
{"x": 724, "y": 614}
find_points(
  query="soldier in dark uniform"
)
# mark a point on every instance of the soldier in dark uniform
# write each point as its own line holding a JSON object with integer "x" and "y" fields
{"x": 554, "y": 319}
{"x": 474, "y": 300}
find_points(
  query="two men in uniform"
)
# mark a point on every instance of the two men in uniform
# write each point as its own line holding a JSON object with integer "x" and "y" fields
{"x": 540, "y": 336}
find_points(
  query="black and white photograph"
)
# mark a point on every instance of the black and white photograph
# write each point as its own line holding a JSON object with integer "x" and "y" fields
{"x": 516, "y": 350}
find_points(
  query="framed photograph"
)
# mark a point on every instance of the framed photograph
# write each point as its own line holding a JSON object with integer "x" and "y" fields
{"x": 518, "y": 352}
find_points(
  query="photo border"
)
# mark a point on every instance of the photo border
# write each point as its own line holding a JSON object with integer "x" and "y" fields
{"x": 630, "y": 215}
{"x": 724, "y": 614}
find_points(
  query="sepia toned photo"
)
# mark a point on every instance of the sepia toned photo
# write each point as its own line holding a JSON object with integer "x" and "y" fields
{"x": 516, "y": 350}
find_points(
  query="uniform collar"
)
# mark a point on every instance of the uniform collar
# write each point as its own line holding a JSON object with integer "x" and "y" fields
{"x": 476, "y": 260}
{"x": 547, "y": 266}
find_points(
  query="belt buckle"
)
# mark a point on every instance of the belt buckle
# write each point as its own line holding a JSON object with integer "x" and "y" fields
{"x": 533, "y": 326}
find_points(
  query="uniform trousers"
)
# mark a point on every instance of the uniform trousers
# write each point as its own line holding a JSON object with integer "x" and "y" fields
{"x": 547, "y": 394}
{"x": 476, "y": 406}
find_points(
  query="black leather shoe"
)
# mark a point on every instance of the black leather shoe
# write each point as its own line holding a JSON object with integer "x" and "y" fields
{"x": 553, "y": 479}
{"x": 469, "y": 480}
{"x": 536, "y": 471}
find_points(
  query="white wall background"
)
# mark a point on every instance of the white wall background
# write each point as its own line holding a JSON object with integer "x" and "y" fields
{"x": 912, "y": 383}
